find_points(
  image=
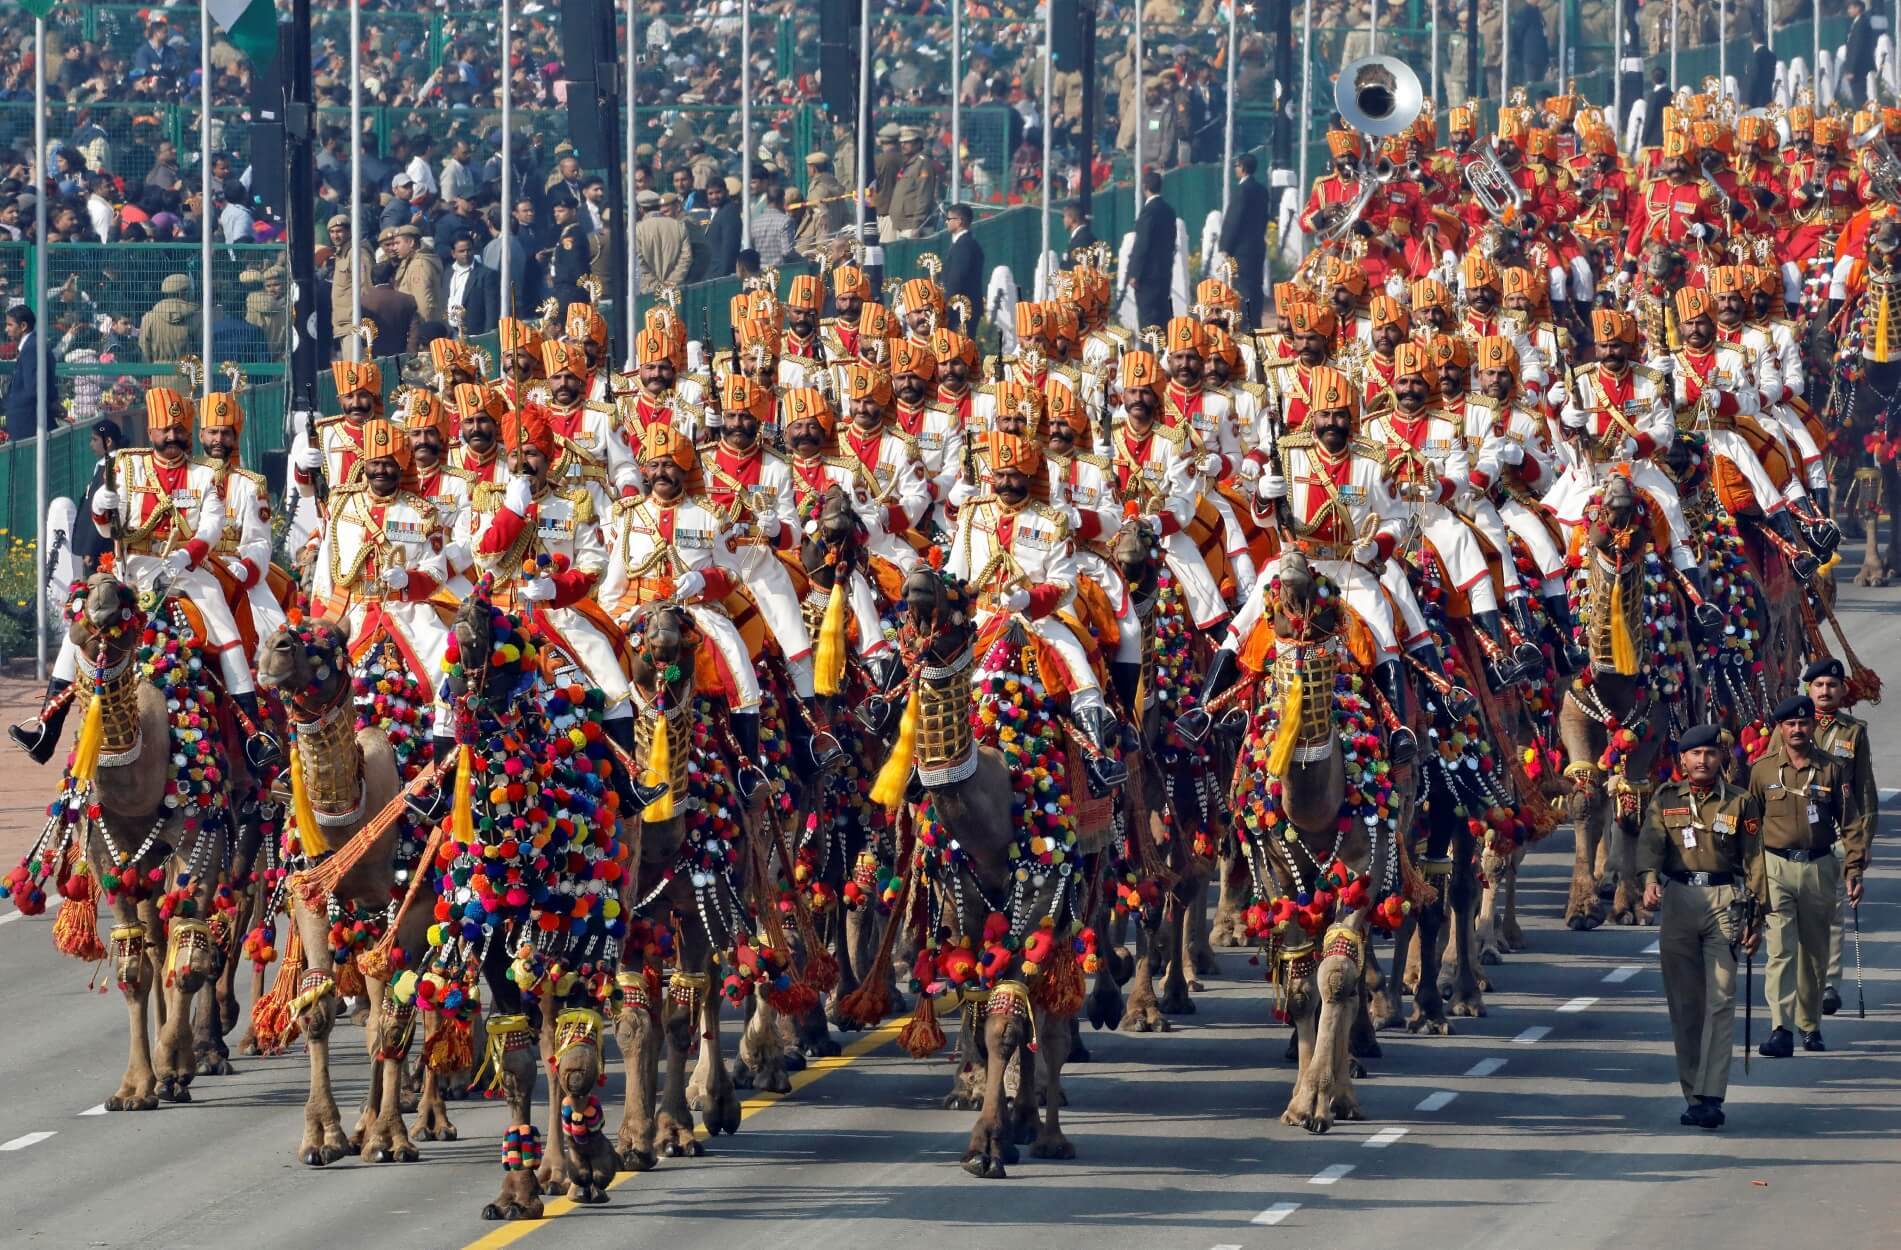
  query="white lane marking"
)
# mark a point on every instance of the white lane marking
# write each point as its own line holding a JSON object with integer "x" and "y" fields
{"x": 1653, "y": 948}
{"x": 10, "y": 917}
{"x": 1384, "y": 1138}
{"x": 1617, "y": 976}
{"x": 1276, "y": 1213}
{"x": 1485, "y": 1067}
{"x": 1888, "y": 793}
{"x": 1576, "y": 1005}
{"x": 1536, "y": 1033}
{"x": 98, "y": 1110}
{"x": 1226, "y": 1246}
{"x": 1331, "y": 1173}
{"x": 30, "y": 1139}
{"x": 1437, "y": 1102}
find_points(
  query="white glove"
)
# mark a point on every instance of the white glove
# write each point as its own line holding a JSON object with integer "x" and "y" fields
{"x": 962, "y": 493}
{"x": 538, "y": 590}
{"x": 178, "y": 561}
{"x": 1250, "y": 471}
{"x": 1574, "y": 418}
{"x": 1699, "y": 232}
{"x": 520, "y": 495}
{"x": 456, "y": 556}
{"x": 1366, "y": 552}
{"x": 1508, "y": 451}
{"x": 1074, "y": 516}
{"x": 1488, "y": 467}
{"x": 1627, "y": 450}
{"x": 309, "y": 459}
{"x": 689, "y": 585}
{"x": 1272, "y": 486}
{"x": 769, "y": 526}
{"x": 1017, "y": 600}
{"x": 1153, "y": 524}
{"x": 395, "y": 579}
{"x": 235, "y": 567}
{"x": 105, "y": 502}
{"x": 1210, "y": 464}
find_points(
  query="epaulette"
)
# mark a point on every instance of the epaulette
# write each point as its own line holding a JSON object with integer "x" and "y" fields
{"x": 1051, "y": 514}
{"x": 1091, "y": 458}
{"x": 601, "y": 406}
{"x": 419, "y": 502}
{"x": 1648, "y": 373}
{"x": 449, "y": 470}
{"x": 909, "y": 442}
{"x": 357, "y": 486}
{"x": 990, "y": 365}
{"x": 1066, "y": 370}
{"x": 1174, "y": 434}
{"x": 487, "y": 496}
{"x": 583, "y": 500}
{"x": 1296, "y": 439}
{"x": 938, "y": 405}
{"x": 1256, "y": 389}
{"x": 1482, "y": 401}
{"x": 843, "y": 462}
{"x": 626, "y": 504}
{"x": 323, "y": 422}
{"x": 1565, "y": 342}
{"x": 1366, "y": 447}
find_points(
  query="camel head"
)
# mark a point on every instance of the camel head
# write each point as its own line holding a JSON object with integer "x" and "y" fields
{"x": 104, "y": 621}
{"x": 834, "y": 538}
{"x": 668, "y": 639}
{"x": 1664, "y": 264}
{"x": 479, "y": 631}
{"x": 308, "y": 665}
{"x": 1138, "y": 557}
{"x": 1617, "y": 511}
{"x": 1884, "y": 246}
{"x": 1300, "y": 614}
{"x": 938, "y": 609}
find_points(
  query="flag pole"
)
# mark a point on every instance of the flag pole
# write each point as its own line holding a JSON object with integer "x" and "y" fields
{"x": 863, "y": 146}
{"x": 356, "y": 347}
{"x": 1049, "y": 129}
{"x": 957, "y": 101}
{"x": 633, "y": 162}
{"x": 1306, "y": 107}
{"x": 1141, "y": 102}
{"x": 204, "y": 189}
{"x": 39, "y": 337}
{"x": 745, "y": 123}
{"x": 1227, "y": 130}
{"x": 508, "y": 162}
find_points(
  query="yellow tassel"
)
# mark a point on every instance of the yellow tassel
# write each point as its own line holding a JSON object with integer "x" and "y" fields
{"x": 828, "y": 661}
{"x": 1282, "y": 752}
{"x": 1623, "y": 646}
{"x": 92, "y": 731}
{"x": 888, "y": 790}
{"x": 312, "y": 837}
{"x": 1881, "y": 331}
{"x": 462, "y": 815}
{"x": 660, "y": 773}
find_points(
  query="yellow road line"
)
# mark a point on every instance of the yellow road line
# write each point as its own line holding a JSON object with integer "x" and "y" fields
{"x": 815, "y": 1070}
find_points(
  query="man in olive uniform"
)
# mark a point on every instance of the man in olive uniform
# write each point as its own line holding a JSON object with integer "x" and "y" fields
{"x": 1806, "y": 805}
{"x": 1845, "y": 738}
{"x": 1701, "y": 835}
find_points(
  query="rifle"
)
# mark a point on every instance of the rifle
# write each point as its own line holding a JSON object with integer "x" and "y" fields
{"x": 1861, "y": 998}
{"x": 1742, "y": 915}
{"x": 1283, "y": 512}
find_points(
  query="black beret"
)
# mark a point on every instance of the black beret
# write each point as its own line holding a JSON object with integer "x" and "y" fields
{"x": 1827, "y": 666}
{"x": 1795, "y": 707}
{"x": 1700, "y": 736}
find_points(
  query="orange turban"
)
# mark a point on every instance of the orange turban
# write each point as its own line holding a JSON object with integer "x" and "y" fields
{"x": 1412, "y": 360}
{"x": 808, "y": 403}
{"x": 470, "y": 398}
{"x": 1011, "y": 451}
{"x": 1613, "y": 323}
{"x": 805, "y": 292}
{"x": 912, "y": 357}
{"x": 1214, "y": 293}
{"x": 1449, "y": 349}
{"x": 352, "y": 376}
{"x": 1032, "y": 319}
{"x": 850, "y": 280}
{"x": 1343, "y": 143}
{"x": 1328, "y": 388}
{"x": 519, "y": 336}
{"x": 1693, "y": 302}
{"x": 1430, "y": 293}
{"x": 663, "y": 442}
{"x": 868, "y": 382}
{"x": 1139, "y": 369}
{"x": 1387, "y": 311}
{"x": 921, "y": 293}
{"x": 1476, "y": 271}
{"x": 528, "y": 428}
{"x": 739, "y": 393}
{"x": 1218, "y": 343}
{"x": 421, "y": 409}
{"x": 1527, "y": 282}
{"x": 1495, "y": 351}
{"x": 949, "y": 345}
{"x": 165, "y": 409}
{"x": 1311, "y": 317}
{"x": 1346, "y": 273}
{"x": 1065, "y": 406}
{"x": 1726, "y": 280}
{"x": 387, "y": 439}
{"x": 220, "y": 410}
{"x": 451, "y": 357}
{"x": 875, "y": 321}
{"x": 1183, "y": 335}
{"x": 564, "y": 358}
{"x": 652, "y": 346}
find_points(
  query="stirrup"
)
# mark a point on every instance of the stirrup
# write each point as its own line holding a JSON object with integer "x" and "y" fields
{"x": 261, "y": 751}
{"x": 35, "y": 738}
{"x": 1824, "y": 536}
{"x": 1708, "y": 617}
{"x": 1401, "y": 745}
{"x": 750, "y": 777}
{"x": 822, "y": 750}
{"x": 1193, "y": 725}
{"x": 431, "y": 806}
{"x": 645, "y": 795}
{"x": 1105, "y": 773}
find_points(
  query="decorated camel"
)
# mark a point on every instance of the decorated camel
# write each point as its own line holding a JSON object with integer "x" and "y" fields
{"x": 1861, "y": 405}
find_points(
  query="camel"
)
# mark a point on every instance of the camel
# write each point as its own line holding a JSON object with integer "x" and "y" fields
{"x": 969, "y": 786}
{"x": 1613, "y": 695}
{"x": 349, "y": 777}
{"x": 1864, "y": 393}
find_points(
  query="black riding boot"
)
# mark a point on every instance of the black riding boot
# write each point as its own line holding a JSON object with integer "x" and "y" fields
{"x": 1457, "y": 703}
{"x": 634, "y": 795}
{"x": 1105, "y": 771}
{"x": 1531, "y": 657}
{"x": 1822, "y": 534}
{"x": 260, "y": 747}
{"x": 1128, "y": 682}
{"x": 1706, "y": 616}
{"x": 1223, "y": 671}
{"x": 1801, "y": 563}
{"x": 1571, "y": 657}
{"x": 430, "y": 805}
{"x": 750, "y": 775}
{"x": 813, "y": 747}
{"x": 885, "y": 674}
{"x": 1391, "y": 679}
{"x": 39, "y": 737}
{"x": 1507, "y": 669}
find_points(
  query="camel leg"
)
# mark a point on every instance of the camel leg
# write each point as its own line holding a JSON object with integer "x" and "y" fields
{"x": 719, "y": 1106}
{"x": 1463, "y": 985}
{"x": 966, "y": 1091}
{"x": 1364, "y": 1042}
{"x": 1429, "y": 1008}
{"x": 1003, "y": 1034}
{"x": 1144, "y": 1014}
{"x": 323, "y": 1142}
{"x": 1179, "y": 943}
{"x": 520, "y": 1198}
{"x": 1103, "y": 1007}
{"x": 247, "y": 1044}
{"x": 1509, "y": 928}
{"x": 138, "y": 1089}
{"x": 1583, "y": 909}
{"x": 760, "y": 1062}
{"x": 637, "y": 1029}
{"x": 432, "y": 1111}
{"x": 1409, "y": 979}
{"x": 387, "y": 1139}
{"x": 1382, "y": 1001}
{"x": 1053, "y": 1051}
{"x": 1302, "y": 1005}
{"x": 1201, "y": 954}
{"x": 188, "y": 970}
{"x": 1227, "y": 930}
{"x": 1626, "y": 908}
{"x": 1491, "y": 945}
{"x": 1326, "y": 1076}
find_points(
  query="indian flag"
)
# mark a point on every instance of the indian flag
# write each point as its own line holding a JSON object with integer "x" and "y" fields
{"x": 252, "y": 25}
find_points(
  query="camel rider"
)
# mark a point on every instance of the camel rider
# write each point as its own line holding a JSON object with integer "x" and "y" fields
{"x": 934, "y": 427}
{"x": 674, "y": 544}
{"x": 1484, "y": 304}
{"x": 1101, "y": 342}
{"x": 521, "y": 360}
{"x": 1152, "y": 470}
{"x": 1432, "y": 311}
{"x": 1715, "y": 395}
{"x": 811, "y": 433}
{"x": 1349, "y": 293}
{"x": 424, "y": 418}
{"x": 654, "y": 405}
{"x": 1211, "y": 444}
{"x": 1392, "y": 325}
{"x": 1426, "y": 466}
{"x": 922, "y": 304}
{"x": 1020, "y": 558}
{"x": 891, "y": 488}
{"x": 167, "y": 514}
{"x": 1527, "y": 300}
{"x": 1338, "y": 513}
{"x": 1083, "y": 486}
{"x": 384, "y": 555}
{"x": 1617, "y": 416}
{"x": 1227, "y": 376}
{"x": 339, "y": 439}
{"x": 957, "y": 362}
{"x": 1310, "y": 327}
{"x": 1678, "y": 208}
{"x": 1780, "y": 377}
{"x": 586, "y": 446}
{"x": 584, "y": 327}
{"x": 1218, "y": 306}
{"x": 1729, "y": 305}
{"x": 454, "y": 362}
{"x": 508, "y": 529}
{"x": 242, "y": 561}
{"x": 838, "y": 334}
{"x": 1702, "y": 836}
{"x": 478, "y": 413}
{"x": 799, "y": 345}
{"x": 1823, "y": 195}
{"x": 692, "y": 392}
{"x": 1845, "y": 739}
{"x": 1511, "y": 471}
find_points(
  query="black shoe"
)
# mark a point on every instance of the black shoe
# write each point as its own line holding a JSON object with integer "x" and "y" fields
{"x": 1104, "y": 770}
{"x": 1831, "y": 1000}
{"x": 1823, "y": 537}
{"x": 1715, "y": 1107}
{"x": 40, "y": 738}
{"x": 1223, "y": 671}
{"x": 1812, "y": 1041}
{"x": 262, "y": 752}
{"x": 1780, "y": 1044}
{"x": 645, "y": 795}
{"x": 429, "y": 807}
{"x": 1401, "y": 744}
{"x": 1698, "y": 1115}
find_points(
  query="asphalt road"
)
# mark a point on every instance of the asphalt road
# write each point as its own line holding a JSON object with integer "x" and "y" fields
{"x": 1550, "y": 1123}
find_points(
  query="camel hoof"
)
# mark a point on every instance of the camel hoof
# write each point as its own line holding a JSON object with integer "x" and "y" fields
{"x": 1225, "y": 935}
{"x": 1205, "y": 964}
{"x": 1011, "y": 1155}
{"x": 1105, "y": 1009}
{"x": 247, "y": 1045}
{"x": 1366, "y": 1048}
{"x": 983, "y": 1167}
{"x": 1357, "y": 1070}
{"x": 1431, "y": 1028}
{"x": 638, "y": 1160}
{"x": 742, "y": 1075}
{"x": 1490, "y": 955}
{"x": 1606, "y": 888}
{"x": 959, "y": 1101}
{"x": 214, "y": 1064}
{"x": 794, "y": 1059}
{"x": 1150, "y": 1020}
{"x": 423, "y": 1134}
{"x": 1177, "y": 1003}
{"x": 382, "y": 1154}
{"x": 1514, "y": 938}
{"x": 1470, "y": 1008}
{"x": 170, "y": 1092}
{"x": 1317, "y": 1123}
{"x": 688, "y": 1150}
{"x": 314, "y": 1157}
{"x": 1583, "y": 922}
{"x": 821, "y": 1048}
{"x": 1347, "y": 1110}
{"x": 1056, "y": 1147}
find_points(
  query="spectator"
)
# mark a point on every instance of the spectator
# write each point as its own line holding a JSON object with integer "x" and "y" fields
{"x": 662, "y": 251}
{"x": 1244, "y": 237}
{"x": 1858, "y": 56}
{"x": 170, "y": 330}
{"x": 964, "y": 266}
{"x": 1152, "y": 258}
{"x": 1530, "y": 44}
{"x": 421, "y": 172}
{"x": 101, "y": 209}
{"x": 518, "y": 255}
{"x": 164, "y": 172}
{"x": 885, "y": 167}
{"x": 746, "y": 265}
{"x": 418, "y": 273}
{"x": 397, "y": 211}
{"x": 23, "y": 396}
{"x": 82, "y": 349}
{"x": 772, "y": 229}
{"x": 1759, "y": 76}
{"x": 825, "y": 196}
{"x": 458, "y": 217}
{"x": 352, "y": 272}
{"x": 268, "y": 308}
{"x": 1654, "y": 104}
{"x": 458, "y": 180}
{"x": 156, "y": 57}
{"x": 1080, "y": 235}
{"x": 472, "y": 287}
{"x": 594, "y": 207}
{"x": 234, "y": 219}
{"x": 392, "y": 312}
{"x": 570, "y": 260}
{"x": 917, "y": 189}
{"x": 723, "y": 231}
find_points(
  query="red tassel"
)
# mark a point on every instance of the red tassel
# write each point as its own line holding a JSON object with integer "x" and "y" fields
{"x": 271, "y": 1021}
{"x": 923, "y": 1036}
{"x": 867, "y": 1005}
{"x": 76, "y": 929}
{"x": 1060, "y": 991}
{"x": 821, "y": 969}
{"x": 452, "y": 1047}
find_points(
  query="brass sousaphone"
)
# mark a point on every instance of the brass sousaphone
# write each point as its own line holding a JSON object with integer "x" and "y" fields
{"x": 1380, "y": 97}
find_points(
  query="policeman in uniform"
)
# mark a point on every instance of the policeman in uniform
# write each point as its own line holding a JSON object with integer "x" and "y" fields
{"x": 1807, "y": 804}
{"x": 1698, "y": 852}
{"x": 1845, "y": 738}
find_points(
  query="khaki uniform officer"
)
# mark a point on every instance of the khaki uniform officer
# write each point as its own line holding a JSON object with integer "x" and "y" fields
{"x": 1699, "y": 846}
{"x": 1845, "y": 738}
{"x": 1806, "y": 806}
